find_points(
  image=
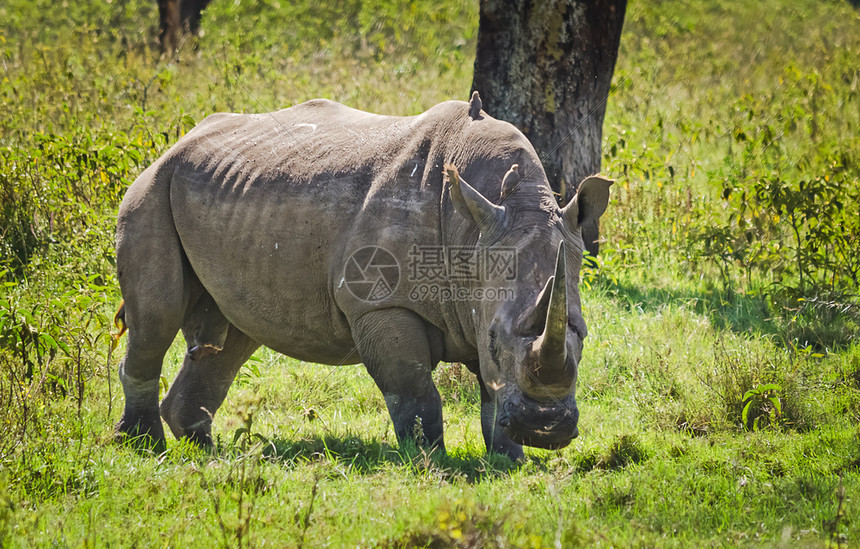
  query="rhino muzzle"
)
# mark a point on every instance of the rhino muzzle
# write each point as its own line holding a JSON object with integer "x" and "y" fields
{"x": 548, "y": 373}
{"x": 531, "y": 423}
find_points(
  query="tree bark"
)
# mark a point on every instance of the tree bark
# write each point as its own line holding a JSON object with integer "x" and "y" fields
{"x": 176, "y": 16}
{"x": 546, "y": 66}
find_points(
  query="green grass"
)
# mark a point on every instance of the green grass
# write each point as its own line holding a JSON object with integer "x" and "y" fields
{"x": 688, "y": 326}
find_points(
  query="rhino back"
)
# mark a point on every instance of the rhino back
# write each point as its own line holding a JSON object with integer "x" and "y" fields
{"x": 268, "y": 207}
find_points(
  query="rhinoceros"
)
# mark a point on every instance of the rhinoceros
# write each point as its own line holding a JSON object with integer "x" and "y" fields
{"x": 310, "y": 231}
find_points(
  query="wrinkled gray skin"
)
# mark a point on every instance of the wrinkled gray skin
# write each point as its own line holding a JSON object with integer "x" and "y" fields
{"x": 239, "y": 236}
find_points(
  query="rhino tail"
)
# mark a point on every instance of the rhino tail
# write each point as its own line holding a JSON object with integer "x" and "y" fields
{"x": 119, "y": 320}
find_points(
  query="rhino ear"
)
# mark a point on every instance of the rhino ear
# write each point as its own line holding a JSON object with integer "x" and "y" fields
{"x": 471, "y": 203}
{"x": 590, "y": 201}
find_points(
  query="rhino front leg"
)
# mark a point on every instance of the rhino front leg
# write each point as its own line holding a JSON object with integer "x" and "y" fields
{"x": 395, "y": 348}
{"x": 495, "y": 437}
{"x": 201, "y": 387}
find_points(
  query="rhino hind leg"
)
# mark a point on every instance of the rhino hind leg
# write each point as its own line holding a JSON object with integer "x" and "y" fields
{"x": 139, "y": 373}
{"x": 395, "y": 348}
{"x": 153, "y": 277}
{"x": 205, "y": 328}
{"x": 202, "y": 384}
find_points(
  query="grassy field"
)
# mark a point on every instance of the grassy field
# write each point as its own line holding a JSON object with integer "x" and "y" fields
{"x": 720, "y": 385}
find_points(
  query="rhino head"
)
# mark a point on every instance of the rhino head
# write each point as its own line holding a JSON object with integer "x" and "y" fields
{"x": 529, "y": 347}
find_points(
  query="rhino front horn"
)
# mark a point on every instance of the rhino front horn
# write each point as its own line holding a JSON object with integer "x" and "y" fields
{"x": 546, "y": 375}
{"x": 553, "y": 348}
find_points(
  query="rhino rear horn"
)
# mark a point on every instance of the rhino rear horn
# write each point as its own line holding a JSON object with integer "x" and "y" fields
{"x": 472, "y": 204}
{"x": 533, "y": 321}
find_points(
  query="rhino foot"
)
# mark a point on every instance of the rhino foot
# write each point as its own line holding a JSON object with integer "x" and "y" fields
{"x": 144, "y": 432}
{"x": 186, "y": 421}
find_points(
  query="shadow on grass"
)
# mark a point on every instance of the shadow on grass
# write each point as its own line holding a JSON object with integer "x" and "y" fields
{"x": 817, "y": 323}
{"x": 371, "y": 456}
{"x": 729, "y": 311}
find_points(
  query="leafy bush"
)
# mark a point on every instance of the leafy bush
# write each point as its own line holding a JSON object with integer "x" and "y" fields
{"x": 755, "y": 391}
{"x": 59, "y": 188}
{"x": 793, "y": 222}
{"x": 753, "y": 180}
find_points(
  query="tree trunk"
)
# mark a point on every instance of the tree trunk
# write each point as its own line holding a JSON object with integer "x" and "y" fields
{"x": 546, "y": 66}
{"x": 175, "y": 17}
